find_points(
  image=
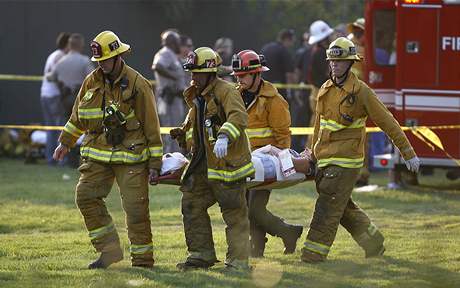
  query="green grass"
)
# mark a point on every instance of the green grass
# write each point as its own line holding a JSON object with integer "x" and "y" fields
{"x": 43, "y": 242}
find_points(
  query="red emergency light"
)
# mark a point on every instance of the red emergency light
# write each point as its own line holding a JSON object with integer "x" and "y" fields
{"x": 384, "y": 162}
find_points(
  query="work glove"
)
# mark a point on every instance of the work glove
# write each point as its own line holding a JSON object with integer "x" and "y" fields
{"x": 178, "y": 134}
{"x": 220, "y": 148}
{"x": 153, "y": 176}
{"x": 413, "y": 164}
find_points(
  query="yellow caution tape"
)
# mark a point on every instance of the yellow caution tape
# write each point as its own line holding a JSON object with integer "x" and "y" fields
{"x": 40, "y": 78}
{"x": 163, "y": 130}
{"x": 20, "y": 77}
{"x": 294, "y": 86}
{"x": 294, "y": 130}
{"x": 431, "y": 139}
{"x": 424, "y": 133}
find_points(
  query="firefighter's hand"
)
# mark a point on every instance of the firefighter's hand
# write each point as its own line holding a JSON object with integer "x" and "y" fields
{"x": 220, "y": 148}
{"x": 176, "y": 133}
{"x": 60, "y": 152}
{"x": 413, "y": 164}
{"x": 153, "y": 176}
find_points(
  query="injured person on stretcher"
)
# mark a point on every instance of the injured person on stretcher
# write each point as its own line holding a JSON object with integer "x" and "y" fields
{"x": 275, "y": 168}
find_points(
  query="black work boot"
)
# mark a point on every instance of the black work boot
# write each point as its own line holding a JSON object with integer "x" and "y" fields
{"x": 257, "y": 242}
{"x": 372, "y": 243}
{"x": 376, "y": 252}
{"x": 290, "y": 237}
{"x": 193, "y": 264}
{"x": 143, "y": 260}
{"x": 145, "y": 266}
{"x": 106, "y": 259}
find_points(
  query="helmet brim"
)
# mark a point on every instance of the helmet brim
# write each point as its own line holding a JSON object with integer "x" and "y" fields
{"x": 317, "y": 38}
{"x": 258, "y": 69}
{"x": 351, "y": 57}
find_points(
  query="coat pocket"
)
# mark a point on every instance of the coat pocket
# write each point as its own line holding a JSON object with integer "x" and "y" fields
{"x": 135, "y": 146}
{"x": 132, "y": 124}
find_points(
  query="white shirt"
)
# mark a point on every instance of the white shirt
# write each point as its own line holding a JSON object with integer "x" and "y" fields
{"x": 168, "y": 59}
{"x": 72, "y": 69}
{"x": 50, "y": 89}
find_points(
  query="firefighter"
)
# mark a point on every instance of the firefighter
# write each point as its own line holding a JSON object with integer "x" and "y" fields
{"x": 356, "y": 35}
{"x": 115, "y": 109}
{"x": 269, "y": 122}
{"x": 220, "y": 164}
{"x": 344, "y": 103}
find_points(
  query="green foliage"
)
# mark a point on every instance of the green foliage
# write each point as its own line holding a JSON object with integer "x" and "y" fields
{"x": 43, "y": 242}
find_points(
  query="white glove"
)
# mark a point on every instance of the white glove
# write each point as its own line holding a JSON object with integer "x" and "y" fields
{"x": 220, "y": 148}
{"x": 413, "y": 164}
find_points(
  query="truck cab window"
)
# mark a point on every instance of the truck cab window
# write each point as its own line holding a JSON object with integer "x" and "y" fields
{"x": 384, "y": 37}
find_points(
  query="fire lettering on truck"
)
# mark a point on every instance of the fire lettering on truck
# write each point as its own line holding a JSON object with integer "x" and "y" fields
{"x": 451, "y": 43}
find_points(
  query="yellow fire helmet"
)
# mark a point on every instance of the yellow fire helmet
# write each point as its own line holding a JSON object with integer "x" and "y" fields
{"x": 359, "y": 23}
{"x": 107, "y": 45}
{"x": 203, "y": 59}
{"x": 342, "y": 49}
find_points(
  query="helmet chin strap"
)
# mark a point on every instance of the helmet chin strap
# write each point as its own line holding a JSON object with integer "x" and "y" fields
{"x": 254, "y": 76}
{"x": 113, "y": 65}
{"x": 209, "y": 77}
{"x": 344, "y": 75}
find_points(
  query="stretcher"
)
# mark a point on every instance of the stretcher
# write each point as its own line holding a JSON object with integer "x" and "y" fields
{"x": 304, "y": 170}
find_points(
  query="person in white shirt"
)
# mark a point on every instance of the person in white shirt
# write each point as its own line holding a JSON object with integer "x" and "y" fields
{"x": 169, "y": 86}
{"x": 50, "y": 97}
{"x": 70, "y": 71}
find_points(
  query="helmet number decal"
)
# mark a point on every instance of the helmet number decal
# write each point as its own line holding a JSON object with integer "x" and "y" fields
{"x": 211, "y": 63}
{"x": 96, "y": 49}
{"x": 114, "y": 45}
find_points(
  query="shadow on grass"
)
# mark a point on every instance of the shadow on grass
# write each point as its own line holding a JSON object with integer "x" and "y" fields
{"x": 172, "y": 277}
{"x": 386, "y": 270}
{"x": 410, "y": 201}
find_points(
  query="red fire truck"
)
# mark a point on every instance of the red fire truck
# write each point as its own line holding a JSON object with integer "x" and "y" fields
{"x": 413, "y": 63}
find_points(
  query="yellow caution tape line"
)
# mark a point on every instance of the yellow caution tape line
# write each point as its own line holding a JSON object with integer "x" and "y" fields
{"x": 153, "y": 82}
{"x": 424, "y": 133}
{"x": 294, "y": 130}
{"x": 427, "y": 136}
{"x": 20, "y": 77}
{"x": 163, "y": 130}
{"x": 294, "y": 86}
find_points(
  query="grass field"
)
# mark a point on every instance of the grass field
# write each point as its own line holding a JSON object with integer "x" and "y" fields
{"x": 43, "y": 242}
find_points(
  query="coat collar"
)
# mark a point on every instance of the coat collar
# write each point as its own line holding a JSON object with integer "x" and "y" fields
{"x": 267, "y": 89}
{"x": 351, "y": 85}
{"x": 191, "y": 92}
{"x": 101, "y": 77}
